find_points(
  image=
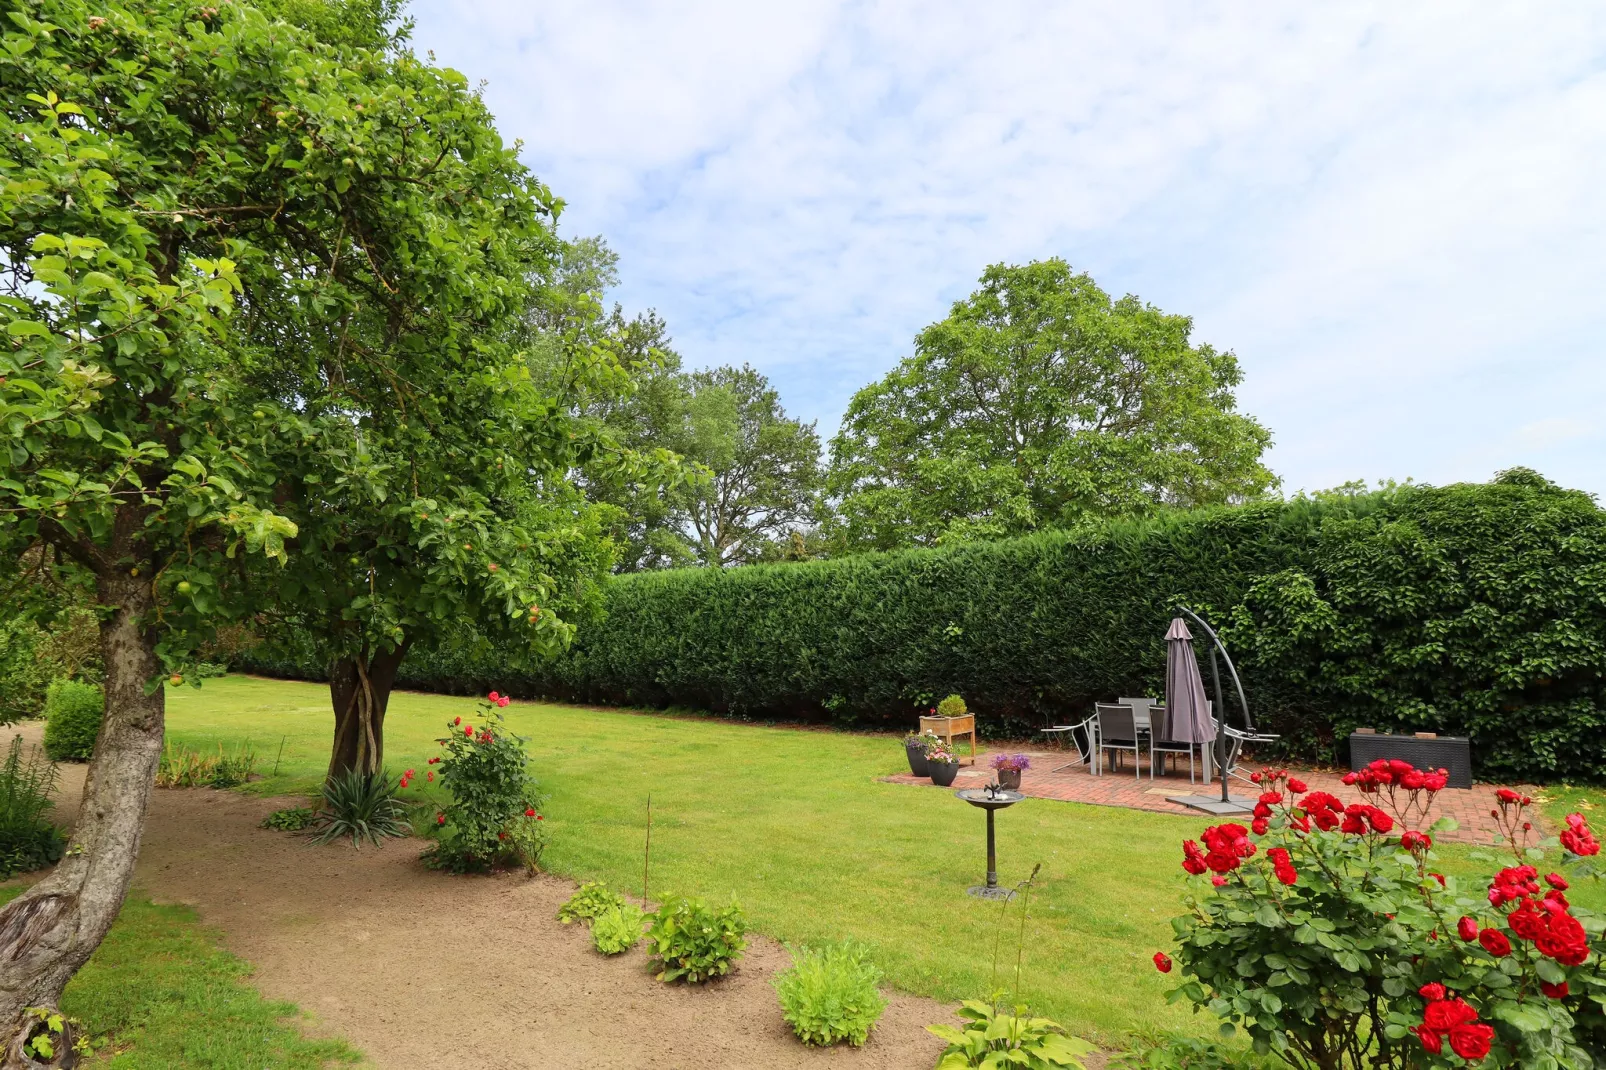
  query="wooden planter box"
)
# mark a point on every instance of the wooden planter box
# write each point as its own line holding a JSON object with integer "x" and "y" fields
{"x": 949, "y": 727}
{"x": 1452, "y": 753}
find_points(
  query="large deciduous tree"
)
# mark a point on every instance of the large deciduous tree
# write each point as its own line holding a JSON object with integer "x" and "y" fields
{"x": 1039, "y": 402}
{"x": 224, "y": 241}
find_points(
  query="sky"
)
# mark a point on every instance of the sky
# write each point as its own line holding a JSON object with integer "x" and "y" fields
{"x": 1393, "y": 214}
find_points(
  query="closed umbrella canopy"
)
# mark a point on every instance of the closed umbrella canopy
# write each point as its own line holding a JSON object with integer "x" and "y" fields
{"x": 1185, "y": 702}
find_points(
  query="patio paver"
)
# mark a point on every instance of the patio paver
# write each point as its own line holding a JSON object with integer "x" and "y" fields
{"x": 1469, "y": 806}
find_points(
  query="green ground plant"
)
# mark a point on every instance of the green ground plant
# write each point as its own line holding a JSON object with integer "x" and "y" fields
{"x": 590, "y": 901}
{"x": 183, "y": 767}
{"x": 493, "y": 815}
{"x": 293, "y": 819}
{"x": 692, "y": 942}
{"x": 73, "y": 712}
{"x": 617, "y": 929}
{"x": 831, "y": 994}
{"x": 363, "y": 806}
{"x": 28, "y": 839}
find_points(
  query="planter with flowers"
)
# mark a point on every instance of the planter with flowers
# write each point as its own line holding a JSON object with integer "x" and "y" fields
{"x": 915, "y": 746}
{"x": 950, "y": 718}
{"x": 943, "y": 764}
{"x": 1009, "y": 768}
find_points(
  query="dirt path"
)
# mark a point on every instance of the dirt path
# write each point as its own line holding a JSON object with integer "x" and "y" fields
{"x": 421, "y": 969}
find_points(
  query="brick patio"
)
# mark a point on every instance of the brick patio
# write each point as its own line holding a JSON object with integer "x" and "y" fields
{"x": 1469, "y": 806}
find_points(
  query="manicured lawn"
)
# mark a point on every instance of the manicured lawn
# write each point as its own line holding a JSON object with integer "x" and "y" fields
{"x": 167, "y": 996}
{"x": 794, "y": 824}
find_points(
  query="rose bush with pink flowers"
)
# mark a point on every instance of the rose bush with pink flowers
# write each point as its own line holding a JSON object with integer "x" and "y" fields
{"x": 1326, "y": 936}
{"x": 494, "y": 815}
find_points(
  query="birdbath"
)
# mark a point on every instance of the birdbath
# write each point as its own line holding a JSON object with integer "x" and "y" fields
{"x": 990, "y": 799}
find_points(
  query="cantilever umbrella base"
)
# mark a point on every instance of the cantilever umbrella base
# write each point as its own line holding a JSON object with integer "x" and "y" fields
{"x": 1212, "y": 804}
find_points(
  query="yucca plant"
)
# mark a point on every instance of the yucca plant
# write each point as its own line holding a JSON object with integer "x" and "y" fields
{"x": 362, "y": 806}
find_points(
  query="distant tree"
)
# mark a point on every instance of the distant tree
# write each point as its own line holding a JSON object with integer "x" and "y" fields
{"x": 1039, "y": 402}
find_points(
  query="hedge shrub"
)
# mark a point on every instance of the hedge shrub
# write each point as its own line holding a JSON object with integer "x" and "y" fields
{"x": 73, "y": 712}
{"x": 1473, "y": 609}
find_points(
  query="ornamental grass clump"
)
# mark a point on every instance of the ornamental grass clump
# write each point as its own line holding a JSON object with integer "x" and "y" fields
{"x": 363, "y": 806}
{"x": 1324, "y": 933}
{"x": 831, "y": 994}
{"x": 28, "y": 838}
{"x": 494, "y": 817}
{"x": 692, "y": 942}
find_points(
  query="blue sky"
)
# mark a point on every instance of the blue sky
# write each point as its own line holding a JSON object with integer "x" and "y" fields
{"x": 1394, "y": 214}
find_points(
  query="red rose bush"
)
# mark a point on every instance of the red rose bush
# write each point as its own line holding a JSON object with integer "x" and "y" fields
{"x": 1322, "y": 932}
{"x": 493, "y": 818}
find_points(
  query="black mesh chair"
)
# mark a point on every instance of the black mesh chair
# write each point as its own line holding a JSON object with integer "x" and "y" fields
{"x": 1118, "y": 731}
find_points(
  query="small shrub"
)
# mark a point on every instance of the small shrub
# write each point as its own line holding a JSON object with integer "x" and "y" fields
{"x": 617, "y": 929}
{"x": 292, "y": 820}
{"x": 830, "y": 994}
{"x": 591, "y": 900}
{"x": 952, "y": 706}
{"x": 689, "y": 941}
{"x": 494, "y": 816}
{"x": 73, "y": 712}
{"x": 362, "y": 806}
{"x": 28, "y": 840}
{"x": 992, "y": 1037}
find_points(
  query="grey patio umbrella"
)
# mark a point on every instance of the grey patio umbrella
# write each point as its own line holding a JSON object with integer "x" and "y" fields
{"x": 1185, "y": 700}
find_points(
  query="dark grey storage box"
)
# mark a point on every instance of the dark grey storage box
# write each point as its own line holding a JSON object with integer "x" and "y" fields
{"x": 1446, "y": 752}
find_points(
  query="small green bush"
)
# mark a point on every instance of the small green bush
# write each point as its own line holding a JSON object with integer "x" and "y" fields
{"x": 73, "y": 712}
{"x": 492, "y": 818}
{"x": 690, "y": 941}
{"x": 362, "y": 806}
{"x": 995, "y": 1037}
{"x": 591, "y": 900}
{"x": 232, "y": 770}
{"x": 28, "y": 840}
{"x": 952, "y": 706}
{"x": 830, "y": 994}
{"x": 292, "y": 820}
{"x": 618, "y": 929}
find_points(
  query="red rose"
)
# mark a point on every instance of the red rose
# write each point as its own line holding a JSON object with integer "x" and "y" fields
{"x": 1162, "y": 962}
{"x": 538, "y": 817}
{"x": 1506, "y": 795}
{"x": 1495, "y": 943}
{"x": 431, "y": 777}
{"x": 440, "y": 819}
{"x": 493, "y": 696}
{"x": 501, "y": 835}
{"x": 1380, "y": 821}
{"x": 1416, "y": 841}
{"x": 1467, "y": 928}
{"x": 1431, "y": 991}
{"x": 502, "y": 701}
{"x": 1286, "y": 874}
{"x": 1297, "y": 787}
{"x": 1260, "y": 826}
{"x": 1526, "y": 922}
{"x": 1442, "y": 1015}
{"x": 457, "y": 720}
{"x": 1221, "y": 863}
{"x": 1564, "y": 940}
{"x": 1557, "y": 881}
{"x": 1430, "y": 1040}
{"x": 1438, "y": 877}
{"x": 1219, "y": 882}
{"x": 468, "y": 730}
{"x": 1554, "y": 991}
{"x": 1470, "y": 1040}
{"x": 529, "y": 813}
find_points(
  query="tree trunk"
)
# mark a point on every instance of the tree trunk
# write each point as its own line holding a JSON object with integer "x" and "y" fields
{"x": 359, "y": 691}
{"x": 50, "y": 930}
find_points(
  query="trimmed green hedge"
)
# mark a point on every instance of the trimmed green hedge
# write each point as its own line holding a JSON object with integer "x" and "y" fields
{"x": 73, "y": 712}
{"x": 1476, "y": 609}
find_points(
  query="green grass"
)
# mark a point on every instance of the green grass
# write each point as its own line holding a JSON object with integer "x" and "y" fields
{"x": 794, "y": 823}
{"x": 159, "y": 993}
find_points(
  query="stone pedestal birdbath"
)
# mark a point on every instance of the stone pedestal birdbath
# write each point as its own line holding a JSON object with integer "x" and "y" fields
{"x": 990, "y": 799}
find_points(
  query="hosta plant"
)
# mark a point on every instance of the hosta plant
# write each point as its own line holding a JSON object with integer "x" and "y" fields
{"x": 996, "y": 1038}
{"x": 591, "y": 900}
{"x": 293, "y": 819}
{"x": 831, "y": 994}
{"x": 1324, "y": 932}
{"x": 617, "y": 929}
{"x": 690, "y": 941}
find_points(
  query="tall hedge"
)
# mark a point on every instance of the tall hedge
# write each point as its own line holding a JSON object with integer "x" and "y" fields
{"x": 1476, "y": 609}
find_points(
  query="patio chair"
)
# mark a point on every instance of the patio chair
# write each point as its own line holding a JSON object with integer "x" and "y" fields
{"x": 1142, "y": 710}
{"x": 1163, "y": 742}
{"x": 1081, "y": 736}
{"x": 1237, "y": 739}
{"x": 1118, "y": 731}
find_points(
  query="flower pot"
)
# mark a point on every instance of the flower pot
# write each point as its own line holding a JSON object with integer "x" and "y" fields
{"x": 917, "y": 759}
{"x": 943, "y": 773}
{"x": 1009, "y": 778}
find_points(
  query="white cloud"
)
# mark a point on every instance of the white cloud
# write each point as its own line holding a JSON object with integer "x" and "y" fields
{"x": 1390, "y": 213}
